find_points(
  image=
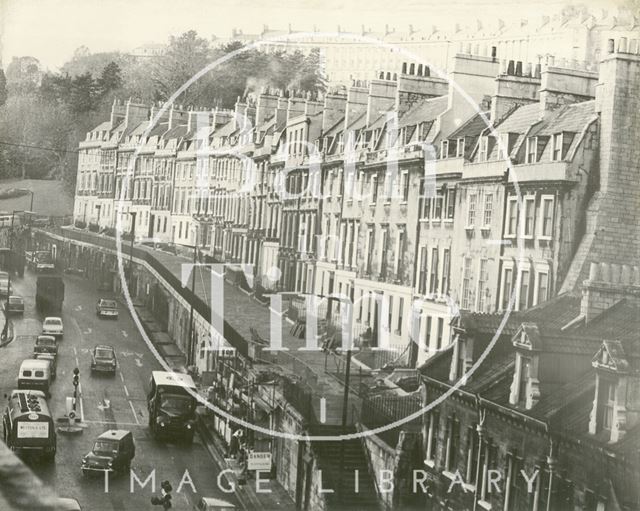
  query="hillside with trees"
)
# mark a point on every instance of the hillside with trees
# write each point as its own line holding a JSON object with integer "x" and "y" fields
{"x": 44, "y": 115}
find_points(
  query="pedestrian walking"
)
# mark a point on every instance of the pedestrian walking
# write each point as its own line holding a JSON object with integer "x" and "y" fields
{"x": 234, "y": 445}
{"x": 165, "y": 499}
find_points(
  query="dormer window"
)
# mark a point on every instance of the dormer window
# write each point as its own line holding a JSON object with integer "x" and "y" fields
{"x": 444, "y": 149}
{"x": 561, "y": 143}
{"x": 483, "y": 149}
{"x": 532, "y": 150}
{"x": 460, "y": 148}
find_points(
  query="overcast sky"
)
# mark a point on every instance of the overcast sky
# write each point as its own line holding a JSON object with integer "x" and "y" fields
{"x": 51, "y": 30}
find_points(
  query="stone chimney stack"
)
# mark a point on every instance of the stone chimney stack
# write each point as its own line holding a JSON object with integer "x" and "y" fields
{"x": 265, "y": 106}
{"x": 176, "y": 117}
{"x": 415, "y": 83}
{"x": 607, "y": 285}
{"x": 475, "y": 75}
{"x": 335, "y": 103}
{"x": 295, "y": 106}
{"x": 135, "y": 113}
{"x": 357, "y": 99}
{"x": 381, "y": 98}
{"x": 562, "y": 85}
{"x": 512, "y": 90}
{"x": 118, "y": 112}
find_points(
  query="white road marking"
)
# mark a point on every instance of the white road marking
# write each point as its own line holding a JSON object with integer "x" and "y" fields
{"x": 80, "y": 402}
{"x": 138, "y": 362}
{"x": 122, "y": 377}
{"x": 126, "y": 390}
{"x": 125, "y": 334}
{"x": 105, "y": 406}
{"x": 88, "y": 331}
{"x": 133, "y": 411}
{"x": 78, "y": 307}
{"x": 110, "y": 423}
{"x": 323, "y": 410}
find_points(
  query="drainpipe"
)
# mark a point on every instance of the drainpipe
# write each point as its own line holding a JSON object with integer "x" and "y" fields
{"x": 505, "y": 182}
{"x": 480, "y": 430}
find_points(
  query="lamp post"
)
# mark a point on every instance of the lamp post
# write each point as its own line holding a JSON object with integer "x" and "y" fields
{"x": 190, "y": 348}
{"x": 5, "y": 329}
{"x": 133, "y": 237}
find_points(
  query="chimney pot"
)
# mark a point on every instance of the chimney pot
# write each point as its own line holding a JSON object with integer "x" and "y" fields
{"x": 412, "y": 69}
{"x": 633, "y": 46}
{"x": 510, "y": 68}
{"x": 494, "y": 52}
{"x": 622, "y": 45}
{"x": 529, "y": 71}
{"x": 626, "y": 275}
{"x": 518, "y": 68}
{"x": 538, "y": 71}
{"x": 404, "y": 68}
{"x": 610, "y": 46}
{"x": 615, "y": 273}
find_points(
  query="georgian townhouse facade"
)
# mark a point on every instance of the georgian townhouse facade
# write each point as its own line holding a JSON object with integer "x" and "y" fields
{"x": 394, "y": 193}
{"x": 524, "y": 193}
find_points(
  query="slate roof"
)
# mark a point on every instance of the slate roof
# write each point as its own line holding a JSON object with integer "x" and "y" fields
{"x": 103, "y": 126}
{"x": 572, "y": 118}
{"x": 520, "y": 120}
{"x": 472, "y": 128}
{"x": 176, "y": 132}
{"x": 424, "y": 110}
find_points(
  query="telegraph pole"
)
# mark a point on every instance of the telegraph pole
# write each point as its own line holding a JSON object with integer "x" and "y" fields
{"x": 190, "y": 354}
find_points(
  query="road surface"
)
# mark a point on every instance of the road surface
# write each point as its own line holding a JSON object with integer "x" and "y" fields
{"x": 106, "y": 403}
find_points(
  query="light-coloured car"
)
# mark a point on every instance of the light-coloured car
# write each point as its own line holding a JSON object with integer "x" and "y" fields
{"x": 213, "y": 504}
{"x": 67, "y": 504}
{"x": 53, "y": 326}
{"x": 15, "y": 304}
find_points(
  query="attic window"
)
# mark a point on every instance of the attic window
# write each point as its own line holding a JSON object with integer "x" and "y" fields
{"x": 444, "y": 149}
{"x": 483, "y": 149}
{"x": 561, "y": 143}
{"x": 460, "y": 148}
{"x": 606, "y": 392}
{"x": 532, "y": 150}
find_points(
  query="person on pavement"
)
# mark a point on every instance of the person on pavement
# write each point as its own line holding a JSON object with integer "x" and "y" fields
{"x": 165, "y": 500}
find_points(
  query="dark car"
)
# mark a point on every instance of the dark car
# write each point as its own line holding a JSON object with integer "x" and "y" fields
{"x": 46, "y": 344}
{"x": 103, "y": 359}
{"x": 14, "y": 305}
{"x": 111, "y": 452}
{"x": 107, "y": 308}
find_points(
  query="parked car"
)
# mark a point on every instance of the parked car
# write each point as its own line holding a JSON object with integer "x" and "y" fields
{"x": 67, "y": 504}
{"x": 15, "y": 304}
{"x": 112, "y": 451}
{"x": 107, "y": 308}
{"x": 213, "y": 504}
{"x": 46, "y": 344}
{"x": 103, "y": 359}
{"x": 4, "y": 283}
{"x": 53, "y": 326}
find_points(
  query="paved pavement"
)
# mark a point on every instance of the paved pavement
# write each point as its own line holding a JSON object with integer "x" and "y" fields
{"x": 106, "y": 403}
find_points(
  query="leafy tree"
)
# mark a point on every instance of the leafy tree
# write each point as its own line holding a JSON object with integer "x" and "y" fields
{"x": 82, "y": 94}
{"x": 185, "y": 56}
{"x": 110, "y": 79}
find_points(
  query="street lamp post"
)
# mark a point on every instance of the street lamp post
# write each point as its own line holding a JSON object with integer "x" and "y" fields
{"x": 190, "y": 347}
{"x": 5, "y": 329}
{"x": 133, "y": 237}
